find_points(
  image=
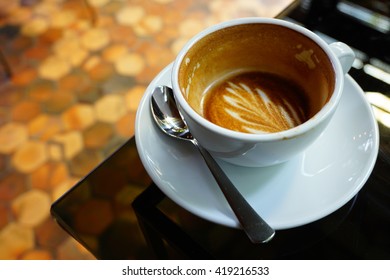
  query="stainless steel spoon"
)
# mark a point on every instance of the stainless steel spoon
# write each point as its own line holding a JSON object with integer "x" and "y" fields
{"x": 169, "y": 120}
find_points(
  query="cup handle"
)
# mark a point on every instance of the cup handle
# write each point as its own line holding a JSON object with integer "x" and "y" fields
{"x": 345, "y": 55}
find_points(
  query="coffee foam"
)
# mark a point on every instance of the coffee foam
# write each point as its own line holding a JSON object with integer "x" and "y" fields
{"x": 255, "y": 102}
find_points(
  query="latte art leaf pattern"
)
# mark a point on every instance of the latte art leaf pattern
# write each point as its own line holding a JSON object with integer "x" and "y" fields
{"x": 256, "y": 111}
{"x": 255, "y": 103}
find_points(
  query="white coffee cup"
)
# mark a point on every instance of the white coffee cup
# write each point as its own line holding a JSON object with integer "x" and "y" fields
{"x": 237, "y": 56}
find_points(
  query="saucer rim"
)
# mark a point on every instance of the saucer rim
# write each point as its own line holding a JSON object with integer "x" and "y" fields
{"x": 368, "y": 166}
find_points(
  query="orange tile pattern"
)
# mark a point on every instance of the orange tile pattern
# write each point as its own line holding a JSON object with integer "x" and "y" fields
{"x": 71, "y": 75}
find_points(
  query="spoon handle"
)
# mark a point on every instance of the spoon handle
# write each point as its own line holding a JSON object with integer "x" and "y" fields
{"x": 254, "y": 226}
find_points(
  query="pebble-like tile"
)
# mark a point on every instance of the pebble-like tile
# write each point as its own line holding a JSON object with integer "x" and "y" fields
{"x": 101, "y": 72}
{"x": 133, "y": 97}
{"x": 45, "y": 127}
{"x": 130, "y": 15}
{"x": 40, "y": 91}
{"x": 148, "y": 26}
{"x": 12, "y": 136}
{"x": 54, "y": 68}
{"x": 95, "y": 39}
{"x": 49, "y": 234}
{"x": 125, "y": 125}
{"x": 37, "y": 53}
{"x": 18, "y": 16}
{"x": 70, "y": 49}
{"x": 123, "y": 34}
{"x": 63, "y": 19}
{"x": 190, "y": 26}
{"x": 26, "y": 76}
{"x": 49, "y": 176}
{"x": 31, "y": 208}
{"x": 74, "y": 82}
{"x": 58, "y": 102}
{"x": 35, "y": 27}
{"x": 25, "y": 111}
{"x": 15, "y": 239}
{"x": 50, "y": 36}
{"x": 98, "y": 135}
{"x": 29, "y": 156}
{"x": 130, "y": 64}
{"x": 71, "y": 143}
{"x": 12, "y": 185}
{"x": 79, "y": 116}
{"x": 110, "y": 108}
{"x": 114, "y": 52}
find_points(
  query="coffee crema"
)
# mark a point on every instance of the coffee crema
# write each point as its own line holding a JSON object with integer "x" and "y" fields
{"x": 255, "y": 102}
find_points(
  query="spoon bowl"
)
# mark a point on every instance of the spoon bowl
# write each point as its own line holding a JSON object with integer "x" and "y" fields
{"x": 167, "y": 116}
{"x": 169, "y": 120}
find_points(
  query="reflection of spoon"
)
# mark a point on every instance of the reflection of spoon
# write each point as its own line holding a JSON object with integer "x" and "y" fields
{"x": 169, "y": 120}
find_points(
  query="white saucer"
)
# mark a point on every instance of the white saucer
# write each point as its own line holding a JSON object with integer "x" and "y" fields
{"x": 309, "y": 187}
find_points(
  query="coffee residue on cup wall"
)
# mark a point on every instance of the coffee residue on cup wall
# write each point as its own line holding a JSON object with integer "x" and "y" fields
{"x": 307, "y": 56}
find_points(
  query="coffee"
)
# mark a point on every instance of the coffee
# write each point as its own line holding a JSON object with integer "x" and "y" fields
{"x": 255, "y": 102}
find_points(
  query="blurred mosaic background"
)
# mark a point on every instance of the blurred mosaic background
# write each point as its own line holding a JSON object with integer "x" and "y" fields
{"x": 71, "y": 77}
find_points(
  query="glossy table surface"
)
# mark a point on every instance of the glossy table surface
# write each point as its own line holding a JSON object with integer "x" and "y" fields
{"x": 117, "y": 212}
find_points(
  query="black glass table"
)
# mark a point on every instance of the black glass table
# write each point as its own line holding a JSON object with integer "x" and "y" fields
{"x": 117, "y": 212}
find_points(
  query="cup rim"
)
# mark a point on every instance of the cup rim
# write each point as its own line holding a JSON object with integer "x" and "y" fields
{"x": 318, "y": 118}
